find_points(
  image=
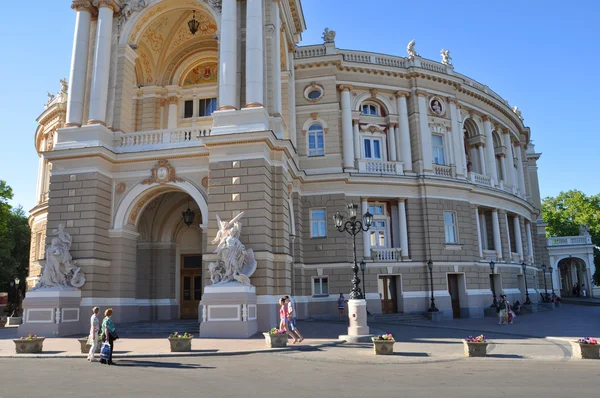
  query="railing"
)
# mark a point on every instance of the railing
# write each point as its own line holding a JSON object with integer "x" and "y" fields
{"x": 480, "y": 179}
{"x": 160, "y": 139}
{"x": 392, "y": 254}
{"x": 433, "y": 66}
{"x": 380, "y": 167}
{"x": 309, "y": 51}
{"x": 444, "y": 171}
{"x": 570, "y": 240}
{"x": 370, "y": 58}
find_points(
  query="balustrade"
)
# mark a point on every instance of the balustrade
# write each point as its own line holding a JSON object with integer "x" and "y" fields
{"x": 386, "y": 254}
{"x": 380, "y": 167}
{"x": 569, "y": 240}
{"x": 480, "y": 179}
{"x": 444, "y": 171}
{"x": 160, "y": 139}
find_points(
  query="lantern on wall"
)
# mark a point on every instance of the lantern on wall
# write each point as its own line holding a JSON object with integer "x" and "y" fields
{"x": 193, "y": 24}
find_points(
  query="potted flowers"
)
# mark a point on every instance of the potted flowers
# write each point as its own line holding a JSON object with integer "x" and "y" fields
{"x": 181, "y": 342}
{"x": 586, "y": 348}
{"x": 276, "y": 338}
{"x": 85, "y": 347}
{"x": 475, "y": 346}
{"x": 383, "y": 344}
{"x": 29, "y": 345}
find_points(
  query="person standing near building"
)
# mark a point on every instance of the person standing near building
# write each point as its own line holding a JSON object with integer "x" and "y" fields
{"x": 293, "y": 328}
{"x": 341, "y": 303}
{"x": 93, "y": 337}
{"x": 109, "y": 334}
{"x": 502, "y": 311}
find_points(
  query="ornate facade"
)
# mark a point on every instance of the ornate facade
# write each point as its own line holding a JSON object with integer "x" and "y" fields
{"x": 238, "y": 117}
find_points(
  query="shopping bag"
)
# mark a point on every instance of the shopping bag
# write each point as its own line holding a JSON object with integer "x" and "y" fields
{"x": 105, "y": 351}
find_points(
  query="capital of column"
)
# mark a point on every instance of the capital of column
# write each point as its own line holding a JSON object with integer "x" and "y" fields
{"x": 345, "y": 87}
{"x": 452, "y": 100}
{"x": 83, "y": 5}
{"x": 485, "y": 118}
{"x": 402, "y": 94}
{"x": 107, "y": 3}
{"x": 355, "y": 121}
{"x": 421, "y": 93}
{"x": 173, "y": 99}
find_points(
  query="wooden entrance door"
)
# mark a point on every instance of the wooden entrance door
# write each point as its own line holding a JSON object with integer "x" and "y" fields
{"x": 454, "y": 297}
{"x": 191, "y": 286}
{"x": 389, "y": 298}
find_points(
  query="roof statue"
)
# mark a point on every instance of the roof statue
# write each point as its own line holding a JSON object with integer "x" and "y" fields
{"x": 411, "y": 49}
{"x": 64, "y": 86}
{"x": 328, "y": 36}
{"x": 517, "y": 112}
{"x": 446, "y": 58}
{"x": 235, "y": 263}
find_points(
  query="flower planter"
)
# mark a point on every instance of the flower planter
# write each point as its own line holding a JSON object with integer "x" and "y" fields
{"x": 383, "y": 347}
{"x": 85, "y": 347}
{"x": 29, "y": 346}
{"x": 475, "y": 349}
{"x": 586, "y": 351}
{"x": 180, "y": 344}
{"x": 276, "y": 340}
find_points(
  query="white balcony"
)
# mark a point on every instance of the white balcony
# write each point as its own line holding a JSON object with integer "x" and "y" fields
{"x": 444, "y": 171}
{"x": 570, "y": 240}
{"x": 380, "y": 167}
{"x": 161, "y": 139}
{"x": 480, "y": 179}
{"x": 387, "y": 254}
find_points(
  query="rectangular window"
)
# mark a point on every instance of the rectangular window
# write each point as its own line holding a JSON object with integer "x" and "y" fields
{"x": 320, "y": 286}
{"x": 450, "y": 227}
{"x": 207, "y": 106}
{"x": 437, "y": 144}
{"x": 188, "y": 109}
{"x": 372, "y": 148}
{"x": 378, "y": 234}
{"x": 318, "y": 223}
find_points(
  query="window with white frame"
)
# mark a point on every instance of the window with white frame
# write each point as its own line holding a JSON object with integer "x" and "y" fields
{"x": 316, "y": 143}
{"x": 320, "y": 286}
{"x": 372, "y": 148}
{"x": 380, "y": 229}
{"x": 370, "y": 109}
{"x": 450, "y": 227}
{"x": 437, "y": 145}
{"x": 318, "y": 223}
{"x": 206, "y": 107}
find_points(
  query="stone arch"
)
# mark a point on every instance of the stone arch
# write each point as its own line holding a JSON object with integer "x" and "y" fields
{"x": 135, "y": 201}
{"x": 378, "y": 98}
{"x": 471, "y": 128}
{"x": 315, "y": 120}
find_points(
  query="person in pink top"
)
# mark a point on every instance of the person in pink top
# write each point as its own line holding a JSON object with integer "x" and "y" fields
{"x": 283, "y": 319}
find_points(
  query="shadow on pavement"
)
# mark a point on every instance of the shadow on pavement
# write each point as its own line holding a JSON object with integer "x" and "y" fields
{"x": 153, "y": 364}
{"x": 512, "y": 356}
{"x": 411, "y": 354}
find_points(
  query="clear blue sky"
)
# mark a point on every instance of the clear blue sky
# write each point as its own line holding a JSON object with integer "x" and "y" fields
{"x": 540, "y": 55}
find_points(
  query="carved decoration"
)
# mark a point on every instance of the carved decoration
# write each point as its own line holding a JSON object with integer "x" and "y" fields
{"x": 314, "y": 115}
{"x": 437, "y": 106}
{"x": 215, "y": 4}
{"x": 328, "y": 36}
{"x": 162, "y": 173}
{"x": 373, "y": 93}
{"x": 130, "y": 7}
{"x": 205, "y": 182}
{"x": 313, "y": 86}
{"x": 120, "y": 188}
{"x": 204, "y": 73}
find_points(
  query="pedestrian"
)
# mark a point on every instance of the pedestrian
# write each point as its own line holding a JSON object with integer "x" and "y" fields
{"x": 501, "y": 309}
{"x": 109, "y": 334}
{"x": 583, "y": 291}
{"x": 93, "y": 337}
{"x": 341, "y": 305}
{"x": 517, "y": 307}
{"x": 293, "y": 328}
{"x": 510, "y": 315}
{"x": 578, "y": 289}
{"x": 283, "y": 319}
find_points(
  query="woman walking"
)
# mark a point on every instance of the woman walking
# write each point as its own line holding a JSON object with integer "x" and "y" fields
{"x": 283, "y": 319}
{"x": 93, "y": 337}
{"x": 109, "y": 334}
{"x": 341, "y": 302}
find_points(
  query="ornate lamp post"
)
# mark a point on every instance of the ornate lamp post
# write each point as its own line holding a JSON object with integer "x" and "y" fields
{"x": 353, "y": 226}
{"x": 494, "y": 302}
{"x": 16, "y": 310}
{"x": 545, "y": 287}
{"x": 363, "y": 267}
{"x": 551, "y": 280}
{"x": 432, "y": 308}
{"x": 524, "y": 266}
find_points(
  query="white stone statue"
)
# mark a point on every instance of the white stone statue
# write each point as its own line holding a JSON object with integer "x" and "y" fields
{"x": 64, "y": 86}
{"x": 411, "y": 49}
{"x": 130, "y": 7}
{"x": 446, "y": 58}
{"x": 50, "y": 98}
{"x": 517, "y": 112}
{"x": 235, "y": 263}
{"x": 328, "y": 35}
{"x": 584, "y": 230}
{"x": 60, "y": 271}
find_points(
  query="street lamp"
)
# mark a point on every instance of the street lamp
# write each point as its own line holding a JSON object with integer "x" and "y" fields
{"x": 494, "y": 302}
{"x": 433, "y": 308}
{"x": 15, "y": 312}
{"x": 527, "y": 301}
{"x": 551, "y": 280}
{"x": 363, "y": 267}
{"x": 545, "y": 287}
{"x": 353, "y": 226}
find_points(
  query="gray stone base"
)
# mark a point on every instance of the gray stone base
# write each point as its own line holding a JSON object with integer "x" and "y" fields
{"x": 14, "y": 320}
{"x": 53, "y": 313}
{"x": 437, "y": 316}
{"x": 490, "y": 312}
{"x": 353, "y": 339}
{"x": 229, "y": 311}
{"x": 529, "y": 308}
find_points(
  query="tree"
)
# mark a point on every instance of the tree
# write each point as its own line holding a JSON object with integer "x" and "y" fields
{"x": 566, "y": 212}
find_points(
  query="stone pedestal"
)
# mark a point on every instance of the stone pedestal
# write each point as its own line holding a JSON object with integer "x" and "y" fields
{"x": 229, "y": 311}
{"x": 13, "y": 320}
{"x": 52, "y": 313}
{"x": 242, "y": 121}
{"x": 358, "y": 331}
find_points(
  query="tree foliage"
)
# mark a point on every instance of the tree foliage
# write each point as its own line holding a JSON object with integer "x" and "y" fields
{"x": 567, "y": 211}
{"x": 15, "y": 238}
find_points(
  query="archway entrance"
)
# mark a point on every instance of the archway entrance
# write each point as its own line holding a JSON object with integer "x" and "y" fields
{"x": 573, "y": 277}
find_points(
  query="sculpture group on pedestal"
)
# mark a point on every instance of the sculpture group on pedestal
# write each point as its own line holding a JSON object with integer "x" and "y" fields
{"x": 60, "y": 270}
{"x": 235, "y": 263}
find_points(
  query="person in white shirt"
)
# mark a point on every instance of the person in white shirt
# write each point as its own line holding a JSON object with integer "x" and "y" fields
{"x": 292, "y": 318}
{"x": 93, "y": 337}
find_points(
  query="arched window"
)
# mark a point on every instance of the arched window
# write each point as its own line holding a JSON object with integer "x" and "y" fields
{"x": 370, "y": 109}
{"x": 316, "y": 143}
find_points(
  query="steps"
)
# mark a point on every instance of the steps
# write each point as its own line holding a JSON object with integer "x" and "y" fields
{"x": 581, "y": 301}
{"x": 158, "y": 328}
{"x": 399, "y": 318}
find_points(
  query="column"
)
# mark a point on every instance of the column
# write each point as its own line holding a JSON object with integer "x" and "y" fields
{"x": 484, "y": 233}
{"x": 521, "y": 176}
{"x": 101, "y": 69}
{"x": 489, "y": 146}
{"x": 79, "y": 63}
{"x": 391, "y": 135}
{"x": 529, "y": 241}
{"x": 39, "y": 187}
{"x": 510, "y": 168}
{"x": 496, "y": 230}
{"x": 424, "y": 132}
{"x": 482, "y": 160}
{"x": 503, "y": 166}
{"x": 347, "y": 140}
{"x": 254, "y": 54}
{"x": 518, "y": 238}
{"x": 228, "y": 56}
{"x": 403, "y": 230}
{"x": 460, "y": 158}
{"x": 364, "y": 205}
{"x": 404, "y": 142}
{"x": 508, "y": 236}
{"x": 356, "y": 134}
{"x": 173, "y": 116}
{"x": 479, "y": 244}
{"x": 276, "y": 58}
